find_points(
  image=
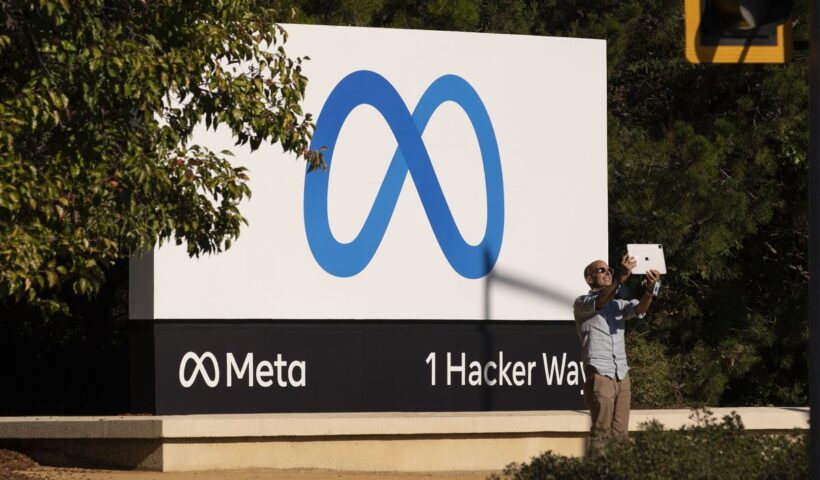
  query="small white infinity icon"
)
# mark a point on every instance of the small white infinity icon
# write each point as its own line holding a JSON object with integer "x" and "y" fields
{"x": 199, "y": 369}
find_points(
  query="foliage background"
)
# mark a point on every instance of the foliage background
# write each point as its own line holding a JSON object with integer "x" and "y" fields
{"x": 709, "y": 160}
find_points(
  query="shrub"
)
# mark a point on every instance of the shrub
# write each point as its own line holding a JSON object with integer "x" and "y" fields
{"x": 710, "y": 449}
{"x": 653, "y": 379}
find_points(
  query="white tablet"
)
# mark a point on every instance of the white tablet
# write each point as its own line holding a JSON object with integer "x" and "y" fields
{"x": 649, "y": 257}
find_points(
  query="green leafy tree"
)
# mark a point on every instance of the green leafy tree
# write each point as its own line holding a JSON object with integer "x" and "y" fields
{"x": 98, "y": 101}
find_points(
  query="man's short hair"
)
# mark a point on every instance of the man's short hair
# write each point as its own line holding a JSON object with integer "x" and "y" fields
{"x": 587, "y": 273}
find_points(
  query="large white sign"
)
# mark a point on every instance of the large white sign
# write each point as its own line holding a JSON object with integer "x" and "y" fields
{"x": 467, "y": 180}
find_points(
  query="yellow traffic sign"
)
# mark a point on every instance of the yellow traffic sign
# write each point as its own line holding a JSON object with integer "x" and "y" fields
{"x": 732, "y": 31}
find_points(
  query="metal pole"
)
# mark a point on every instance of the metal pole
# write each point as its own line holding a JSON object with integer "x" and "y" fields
{"x": 814, "y": 241}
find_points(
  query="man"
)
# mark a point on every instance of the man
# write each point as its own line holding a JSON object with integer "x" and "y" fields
{"x": 600, "y": 319}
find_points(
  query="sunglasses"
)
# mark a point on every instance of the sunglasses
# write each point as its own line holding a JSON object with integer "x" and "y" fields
{"x": 602, "y": 270}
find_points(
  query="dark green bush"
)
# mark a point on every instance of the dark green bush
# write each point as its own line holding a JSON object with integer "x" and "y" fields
{"x": 652, "y": 373}
{"x": 711, "y": 449}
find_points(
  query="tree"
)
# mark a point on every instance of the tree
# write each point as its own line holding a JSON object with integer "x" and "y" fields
{"x": 98, "y": 101}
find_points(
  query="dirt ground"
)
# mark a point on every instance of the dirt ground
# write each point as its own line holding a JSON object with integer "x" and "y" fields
{"x": 15, "y": 466}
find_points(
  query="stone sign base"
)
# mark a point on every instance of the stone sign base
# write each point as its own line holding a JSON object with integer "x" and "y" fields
{"x": 398, "y": 442}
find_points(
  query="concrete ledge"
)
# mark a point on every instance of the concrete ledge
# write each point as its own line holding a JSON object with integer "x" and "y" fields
{"x": 340, "y": 441}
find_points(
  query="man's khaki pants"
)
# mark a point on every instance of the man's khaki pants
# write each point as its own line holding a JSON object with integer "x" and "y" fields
{"x": 608, "y": 402}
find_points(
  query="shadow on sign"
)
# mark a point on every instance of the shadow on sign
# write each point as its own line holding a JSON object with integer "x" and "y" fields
{"x": 538, "y": 289}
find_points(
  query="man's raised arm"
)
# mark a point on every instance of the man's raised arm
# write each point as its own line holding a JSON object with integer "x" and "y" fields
{"x": 607, "y": 293}
{"x": 642, "y": 307}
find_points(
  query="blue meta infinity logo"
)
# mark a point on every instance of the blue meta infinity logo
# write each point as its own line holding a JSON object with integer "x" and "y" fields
{"x": 370, "y": 88}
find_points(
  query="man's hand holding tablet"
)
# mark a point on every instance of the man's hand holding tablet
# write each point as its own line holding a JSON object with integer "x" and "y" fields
{"x": 650, "y": 262}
